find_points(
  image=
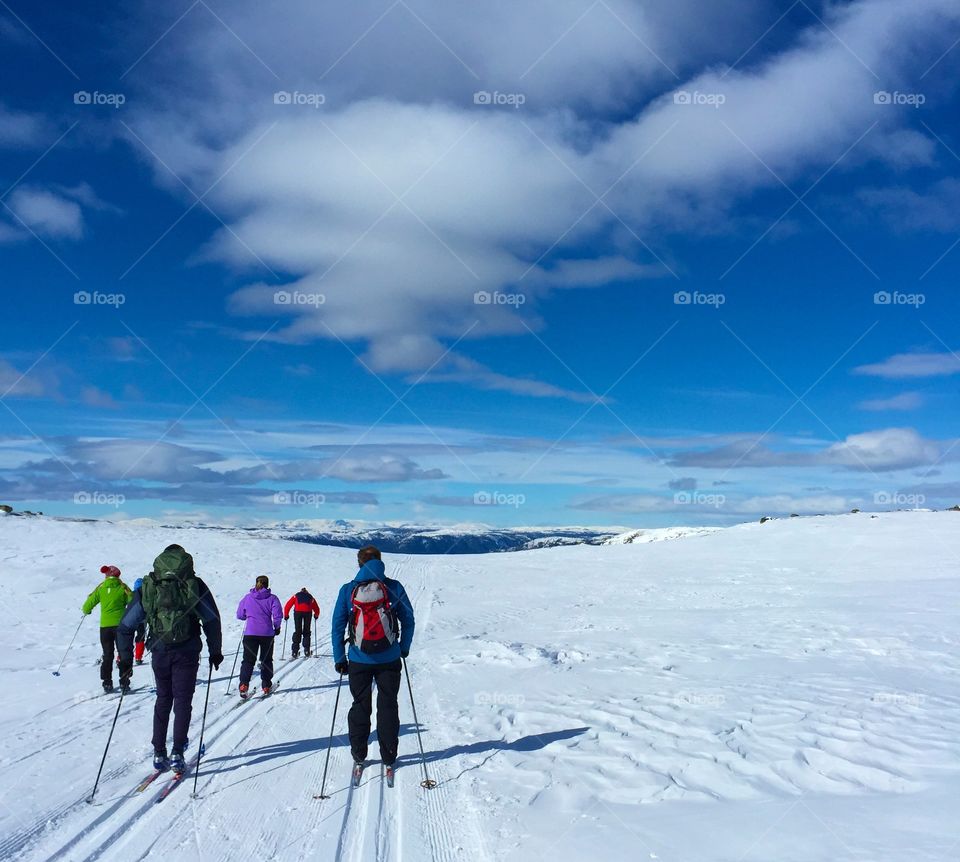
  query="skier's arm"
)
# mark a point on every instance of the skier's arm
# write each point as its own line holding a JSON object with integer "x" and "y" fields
{"x": 92, "y": 600}
{"x": 316, "y": 609}
{"x": 405, "y": 616}
{"x": 209, "y": 616}
{"x": 241, "y": 610}
{"x": 277, "y": 613}
{"x": 290, "y": 603}
{"x": 133, "y": 618}
{"x": 341, "y": 614}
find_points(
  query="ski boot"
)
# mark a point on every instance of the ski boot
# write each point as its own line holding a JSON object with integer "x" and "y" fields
{"x": 160, "y": 761}
{"x": 244, "y": 691}
{"x": 177, "y": 763}
{"x": 125, "y": 687}
{"x": 357, "y": 772}
{"x": 295, "y": 654}
{"x": 266, "y": 690}
{"x": 307, "y": 654}
{"x": 108, "y": 688}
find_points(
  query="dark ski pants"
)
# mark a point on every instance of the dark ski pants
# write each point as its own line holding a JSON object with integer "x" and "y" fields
{"x": 108, "y": 643}
{"x": 175, "y": 671}
{"x": 362, "y": 678}
{"x": 302, "y": 623}
{"x": 254, "y": 645}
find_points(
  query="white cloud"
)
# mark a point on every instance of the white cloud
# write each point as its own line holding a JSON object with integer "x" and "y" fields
{"x": 21, "y": 130}
{"x": 47, "y": 213}
{"x": 13, "y": 383}
{"x": 486, "y": 192}
{"x": 904, "y": 365}
{"x": 903, "y": 401}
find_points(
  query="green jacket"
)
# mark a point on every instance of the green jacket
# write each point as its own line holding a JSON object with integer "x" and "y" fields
{"x": 113, "y": 596}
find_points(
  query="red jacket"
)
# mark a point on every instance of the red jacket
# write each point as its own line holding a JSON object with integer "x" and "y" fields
{"x": 302, "y": 603}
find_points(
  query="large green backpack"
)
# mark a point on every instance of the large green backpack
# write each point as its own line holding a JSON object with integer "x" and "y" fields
{"x": 170, "y": 595}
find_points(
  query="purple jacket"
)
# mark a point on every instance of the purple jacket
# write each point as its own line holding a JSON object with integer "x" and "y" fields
{"x": 261, "y": 609}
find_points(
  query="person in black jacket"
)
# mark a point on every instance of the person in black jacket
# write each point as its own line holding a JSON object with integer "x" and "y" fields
{"x": 176, "y": 604}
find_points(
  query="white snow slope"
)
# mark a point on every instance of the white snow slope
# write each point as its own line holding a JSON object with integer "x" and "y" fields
{"x": 765, "y": 693}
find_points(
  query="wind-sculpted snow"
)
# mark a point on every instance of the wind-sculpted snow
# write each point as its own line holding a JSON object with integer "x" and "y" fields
{"x": 769, "y": 693}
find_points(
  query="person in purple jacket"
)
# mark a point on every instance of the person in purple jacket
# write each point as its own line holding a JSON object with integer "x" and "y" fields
{"x": 263, "y": 614}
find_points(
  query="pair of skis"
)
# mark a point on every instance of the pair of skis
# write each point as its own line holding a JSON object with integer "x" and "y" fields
{"x": 389, "y": 776}
{"x": 172, "y": 781}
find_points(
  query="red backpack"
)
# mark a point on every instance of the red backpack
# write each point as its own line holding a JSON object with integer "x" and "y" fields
{"x": 373, "y": 623}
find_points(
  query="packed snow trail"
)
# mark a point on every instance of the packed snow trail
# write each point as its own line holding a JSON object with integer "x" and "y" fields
{"x": 789, "y": 691}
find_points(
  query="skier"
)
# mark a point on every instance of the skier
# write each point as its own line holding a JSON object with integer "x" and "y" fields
{"x": 303, "y": 605}
{"x": 113, "y": 596}
{"x": 175, "y": 603}
{"x": 263, "y": 614}
{"x": 140, "y": 636}
{"x": 370, "y": 607}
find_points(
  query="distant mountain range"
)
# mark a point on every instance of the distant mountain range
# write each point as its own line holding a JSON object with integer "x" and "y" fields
{"x": 458, "y": 539}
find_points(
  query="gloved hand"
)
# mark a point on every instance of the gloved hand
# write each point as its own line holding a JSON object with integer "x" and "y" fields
{"x": 276, "y": 631}
{"x": 342, "y": 666}
{"x": 316, "y": 616}
{"x": 286, "y": 617}
{"x": 404, "y": 653}
{"x": 216, "y": 660}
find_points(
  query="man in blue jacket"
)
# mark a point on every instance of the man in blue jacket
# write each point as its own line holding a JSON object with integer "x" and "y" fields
{"x": 377, "y": 615}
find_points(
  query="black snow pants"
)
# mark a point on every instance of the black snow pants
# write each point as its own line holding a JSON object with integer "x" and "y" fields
{"x": 175, "y": 672}
{"x": 254, "y": 645}
{"x": 302, "y": 624}
{"x": 362, "y": 678}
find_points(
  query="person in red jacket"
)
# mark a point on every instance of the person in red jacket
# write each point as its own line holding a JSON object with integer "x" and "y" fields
{"x": 303, "y": 605}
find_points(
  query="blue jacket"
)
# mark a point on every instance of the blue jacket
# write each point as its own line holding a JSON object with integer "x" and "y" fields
{"x": 372, "y": 570}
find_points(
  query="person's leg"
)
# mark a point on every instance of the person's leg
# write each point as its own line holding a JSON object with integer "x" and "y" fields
{"x": 306, "y": 631}
{"x": 161, "y": 710}
{"x": 186, "y": 663}
{"x": 297, "y": 632}
{"x": 266, "y": 662}
{"x": 107, "y": 636}
{"x": 125, "y": 672}
{"x": 138, "y": 648}
{"x": 388, "y": 713}
{"x": 358, "y": 719}
{"x": 249, "y": 659}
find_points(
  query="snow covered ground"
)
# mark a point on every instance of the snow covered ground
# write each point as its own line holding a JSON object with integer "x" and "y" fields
{"x": 764, "y": 693}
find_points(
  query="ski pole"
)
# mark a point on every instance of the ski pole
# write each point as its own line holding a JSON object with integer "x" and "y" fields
{"x": 427, "y": 782}
{"x": 103, "y": 760}
{"x": 235, "y": 656}
{"x": 57, "y": 671}
{"x": 283, "y": 649}
{"x": 333, "y": 722}
{"x": 203, "y": 724}
{"x": 315, "y": 642}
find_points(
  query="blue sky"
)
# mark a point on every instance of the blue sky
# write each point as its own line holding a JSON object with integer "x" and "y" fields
{"x": 247, "y": 260}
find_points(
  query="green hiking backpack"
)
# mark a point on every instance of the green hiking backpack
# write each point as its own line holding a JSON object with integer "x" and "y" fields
{"x": 170, "y": 595}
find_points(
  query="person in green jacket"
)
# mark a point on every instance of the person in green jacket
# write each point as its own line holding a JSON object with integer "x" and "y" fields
{"x": 113, "y": 596}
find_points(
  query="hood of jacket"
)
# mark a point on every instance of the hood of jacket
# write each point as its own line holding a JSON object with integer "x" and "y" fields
{"x": 372, "y": 570}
